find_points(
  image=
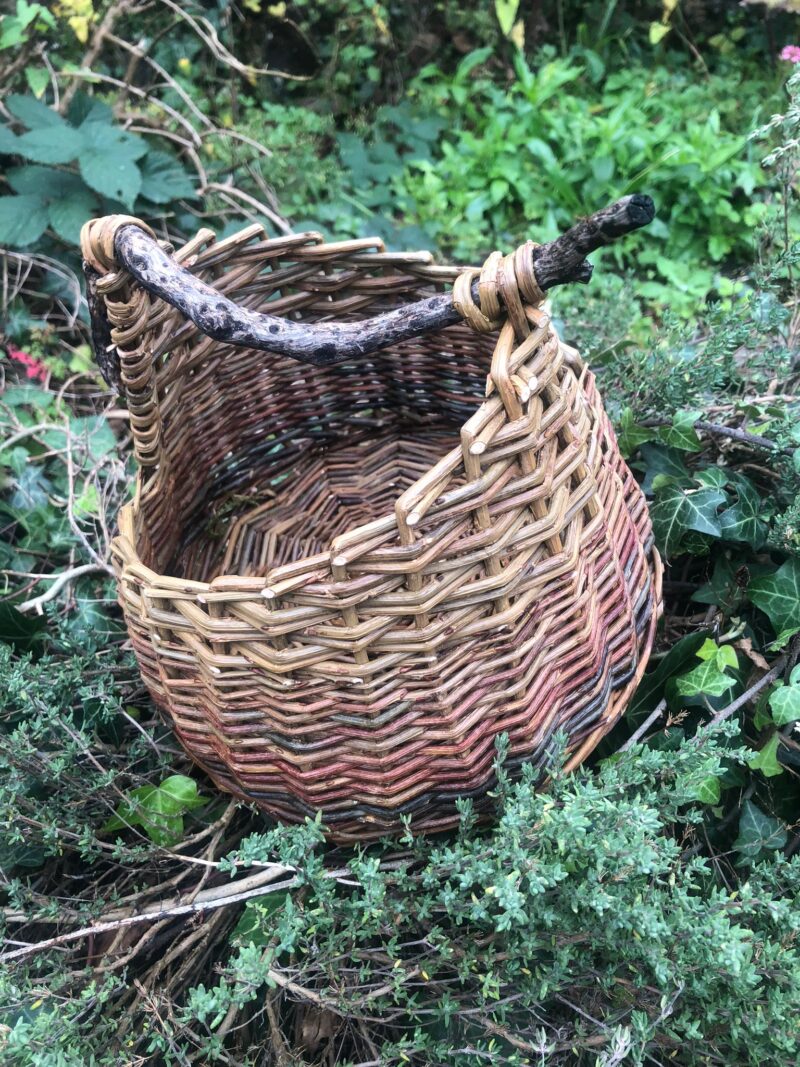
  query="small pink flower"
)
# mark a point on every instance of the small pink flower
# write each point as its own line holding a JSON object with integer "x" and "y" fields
{"x": 790, "y": 54}
{"x": 34, "y": 368}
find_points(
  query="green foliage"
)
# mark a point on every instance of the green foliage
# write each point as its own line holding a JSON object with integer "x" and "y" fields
{"x": 641, "y": 910}
{"x": 158, "y": 809}
{"x": 76, "y": 168}
{"x": 576, "y": 907}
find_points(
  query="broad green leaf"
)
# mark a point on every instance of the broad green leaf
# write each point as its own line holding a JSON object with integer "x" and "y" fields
{"x": 766, "y": 759}
{"x": 785, "y": 704}
{"x": 758, "y": 832}
{"x": 116, "y": 177}
{"x": 182, "y": 790}
{"x": 658, "y": 459}
{"x": 658, "y": 31}
{"x": 706, "y": 678}
{"x": 778, "y": 595}
{"x": 701, "y": 510}
{"x": 668, "y": 515}
{"x": 38, "y": 78}
{"x": 722, "y": 589}
{"x": 651, "y": 686}
{"x": 713, "y": 477}
{"x": 57, "y": 144}
{"x": 8, "y": 142}
{"x": 33, "y": 113}
{"x": 48, "y": 182}
{"x": 630, "y": 435}
{"x": 742, "y": 521}
{"x": 164, "y": 179}
{"x": 682, "y": 434}
{"x": 21, "y": 631}
{"x": 69, "y": 214}
{"x": 704, "y": 788}
{"x": 23, "y": 219}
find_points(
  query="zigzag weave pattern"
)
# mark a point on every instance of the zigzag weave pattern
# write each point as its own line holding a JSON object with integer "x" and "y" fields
{"x": 342, "y": 584}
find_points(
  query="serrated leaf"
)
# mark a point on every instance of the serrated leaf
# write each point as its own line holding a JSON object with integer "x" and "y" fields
{"x": 164, "y": 179}
{"x": 69, "y": 214}
{"x": 58, "y": 144}
{"x": 785, "y": 705}
{"x": 47, "y": 182}
{"x": 33, "y": 113}
{"x": 766, "y": 759}
{"x": 118, "y": 177}
{"x": 8, "y": 142}
{"x": 23, "y": 219}
{"x": 778, "y": 596}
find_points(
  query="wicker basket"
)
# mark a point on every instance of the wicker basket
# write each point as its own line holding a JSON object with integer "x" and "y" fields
{"x": 343, "y": 583}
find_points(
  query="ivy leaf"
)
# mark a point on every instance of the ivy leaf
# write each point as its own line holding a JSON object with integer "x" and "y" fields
{"x": 706, "y": 679}
{"x": 23, "y": 219}
{"x": 742, "y": 521}
{"x": 766, "y": 759}
{"x": 668, "y": 516}
{"x": 706, "y": 790}
{"x": 785, "y": 704}
{"x": 630, "y": 435}
{"x": 757, "y": 833}
{"x": 701, "y": 511}
{"x": 661, "y": 460}
{"x": 778, "y": 595}
{"x": 713, "y": 477}
{"x": 722, "y": 588}
{"x": 20, "y": 631}
{"x": 682, "y": 434}
{"x": 164, "y": 179}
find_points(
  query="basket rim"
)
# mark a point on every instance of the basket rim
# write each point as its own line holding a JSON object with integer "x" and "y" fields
{"x": 291, "y": 575}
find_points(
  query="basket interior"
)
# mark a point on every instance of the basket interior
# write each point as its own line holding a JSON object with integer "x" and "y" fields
{"x": 266, "y": 459}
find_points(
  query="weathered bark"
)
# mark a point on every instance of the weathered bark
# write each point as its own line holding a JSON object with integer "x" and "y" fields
{"x": 555, "y": 263}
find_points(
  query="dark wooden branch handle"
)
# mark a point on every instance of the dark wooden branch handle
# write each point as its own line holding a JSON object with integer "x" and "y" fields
{"x": 556, "y": 263}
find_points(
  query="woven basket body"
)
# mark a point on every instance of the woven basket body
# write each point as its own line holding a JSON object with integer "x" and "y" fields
{"x": 342, "y": 584}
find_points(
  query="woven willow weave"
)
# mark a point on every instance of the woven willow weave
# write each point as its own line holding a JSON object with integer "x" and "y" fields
{"x": 342, "y": 584}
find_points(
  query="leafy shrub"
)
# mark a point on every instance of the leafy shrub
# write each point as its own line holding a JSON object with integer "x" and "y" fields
{"x": 77, "y": 167}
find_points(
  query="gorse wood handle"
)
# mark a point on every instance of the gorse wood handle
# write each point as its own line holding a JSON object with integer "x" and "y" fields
{"x": 137, "y": 252}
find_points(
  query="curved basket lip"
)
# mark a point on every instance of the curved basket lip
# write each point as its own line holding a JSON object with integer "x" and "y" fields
{"x": 290, "y": 576}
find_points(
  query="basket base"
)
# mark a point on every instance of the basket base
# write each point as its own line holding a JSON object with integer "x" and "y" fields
{"x": 266, "y": 524}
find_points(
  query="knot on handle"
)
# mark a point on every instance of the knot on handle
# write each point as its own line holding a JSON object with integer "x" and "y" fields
{"x": 97, "y": 240}
{"x": 509, "y": 279}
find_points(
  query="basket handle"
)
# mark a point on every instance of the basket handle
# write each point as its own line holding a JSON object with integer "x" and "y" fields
{"x": 121, "y": 241}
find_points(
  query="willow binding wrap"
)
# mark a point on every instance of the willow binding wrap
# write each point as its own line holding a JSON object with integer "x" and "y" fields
{"x": 343, "y": 583}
